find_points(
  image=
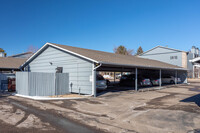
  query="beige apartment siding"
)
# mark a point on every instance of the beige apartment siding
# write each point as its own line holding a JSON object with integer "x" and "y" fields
{"x": 184, "y": 59}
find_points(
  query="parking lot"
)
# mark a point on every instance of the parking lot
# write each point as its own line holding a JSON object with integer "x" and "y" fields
{"x": 174, "y": 109}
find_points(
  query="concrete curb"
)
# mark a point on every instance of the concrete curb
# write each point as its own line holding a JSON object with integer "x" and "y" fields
{"x": 50, "y": 98}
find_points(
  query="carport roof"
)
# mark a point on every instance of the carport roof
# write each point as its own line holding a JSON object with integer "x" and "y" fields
{"x": 10, "y": 62}
{"x": 117, "y": 59}
{"x": 106, "y": 58}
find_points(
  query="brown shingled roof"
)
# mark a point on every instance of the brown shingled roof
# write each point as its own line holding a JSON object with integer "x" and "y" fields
{"x": 11, "y": 63}
{"x": 117, "y": 59}
{"x": 22, "y": 54}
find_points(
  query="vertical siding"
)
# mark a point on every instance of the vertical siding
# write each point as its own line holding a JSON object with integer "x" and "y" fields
{"x": 79, "y": 69}
{"x": 42, "y": 84}
{"x": 22, "y": 83}
{"x": 62, "y": 82}
{"x": 163, "y": 55}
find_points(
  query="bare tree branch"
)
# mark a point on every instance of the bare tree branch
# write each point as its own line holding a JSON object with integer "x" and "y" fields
{"x": 32, "y": 48}
{"x": 123, "y": 50}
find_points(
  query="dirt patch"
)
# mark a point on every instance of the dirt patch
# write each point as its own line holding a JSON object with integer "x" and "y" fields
{"x": 9, "y": 115}
{"x": 56, "y": 118}
{"x": 69, "y": 104}
{"x": 34, "y": 122}
{"x": 160, "y": 100}
{"x": 169, "y": 102}
{"x": 186, "y": 108}
{"x": 90, "y": 101}
{"x": 7, "y": 128}
{"x": 17, "y": 120}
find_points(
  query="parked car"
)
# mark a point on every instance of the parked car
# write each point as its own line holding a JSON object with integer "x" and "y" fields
{"x": 129, "y": 80}
{"x": 107, "y": 77}
{"x": 118, "y": 76}
{"x": 144, "y": 81}
{"x": 101, "y": 83}
{"x": 167, "y": 79}
{"x": 155, "y": 80}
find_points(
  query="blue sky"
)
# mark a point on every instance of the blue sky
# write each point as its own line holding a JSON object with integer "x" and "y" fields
{"x": 99, "y": 24}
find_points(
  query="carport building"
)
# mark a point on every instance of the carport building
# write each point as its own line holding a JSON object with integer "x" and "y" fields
{"x": 83, "y": 64}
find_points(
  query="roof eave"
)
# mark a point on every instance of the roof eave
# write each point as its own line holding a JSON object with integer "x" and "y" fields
{"x": 10, "y": 68}
{"x": 139, "y": 66}
{"x": 161, "y": 47}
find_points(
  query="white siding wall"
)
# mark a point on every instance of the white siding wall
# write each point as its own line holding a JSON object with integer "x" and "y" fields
{"x": 79, "y": 69}
{"x": 163, "y": 55}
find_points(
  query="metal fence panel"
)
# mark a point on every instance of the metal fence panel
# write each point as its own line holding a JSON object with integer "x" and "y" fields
{"x": 22, "y": 83}
{"x": 42, "y": 84}
{"x": 62, "y": 83}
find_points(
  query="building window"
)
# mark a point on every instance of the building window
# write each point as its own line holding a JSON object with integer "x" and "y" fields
{"x": 173, "y": 57}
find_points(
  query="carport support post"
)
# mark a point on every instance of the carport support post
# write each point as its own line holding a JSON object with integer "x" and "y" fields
{"x": 136, "y": 76}
{"x": 160, "y": 82}
{"x": 176, "y": 78}
{"x": 186, "y": 79}
{"x": 193, "y": 74}
{"x": 114, "y": 77}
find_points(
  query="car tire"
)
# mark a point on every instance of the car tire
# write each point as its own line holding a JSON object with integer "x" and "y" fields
{"x": 172, "y": 82}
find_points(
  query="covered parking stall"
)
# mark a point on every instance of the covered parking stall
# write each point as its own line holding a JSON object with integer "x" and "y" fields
{"x": 151, "y": 71}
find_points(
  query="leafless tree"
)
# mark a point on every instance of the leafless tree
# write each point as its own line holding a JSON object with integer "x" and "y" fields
{"x": 123, "y": 50}
{"x": 32, "y": 48}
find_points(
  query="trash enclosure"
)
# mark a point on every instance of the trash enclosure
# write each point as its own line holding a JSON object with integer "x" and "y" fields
{"x": 42, "y": 84}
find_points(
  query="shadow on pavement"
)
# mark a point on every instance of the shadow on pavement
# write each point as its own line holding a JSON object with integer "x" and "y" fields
{"x": 195, "y": 99}
{"x": 114, "y": 89}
